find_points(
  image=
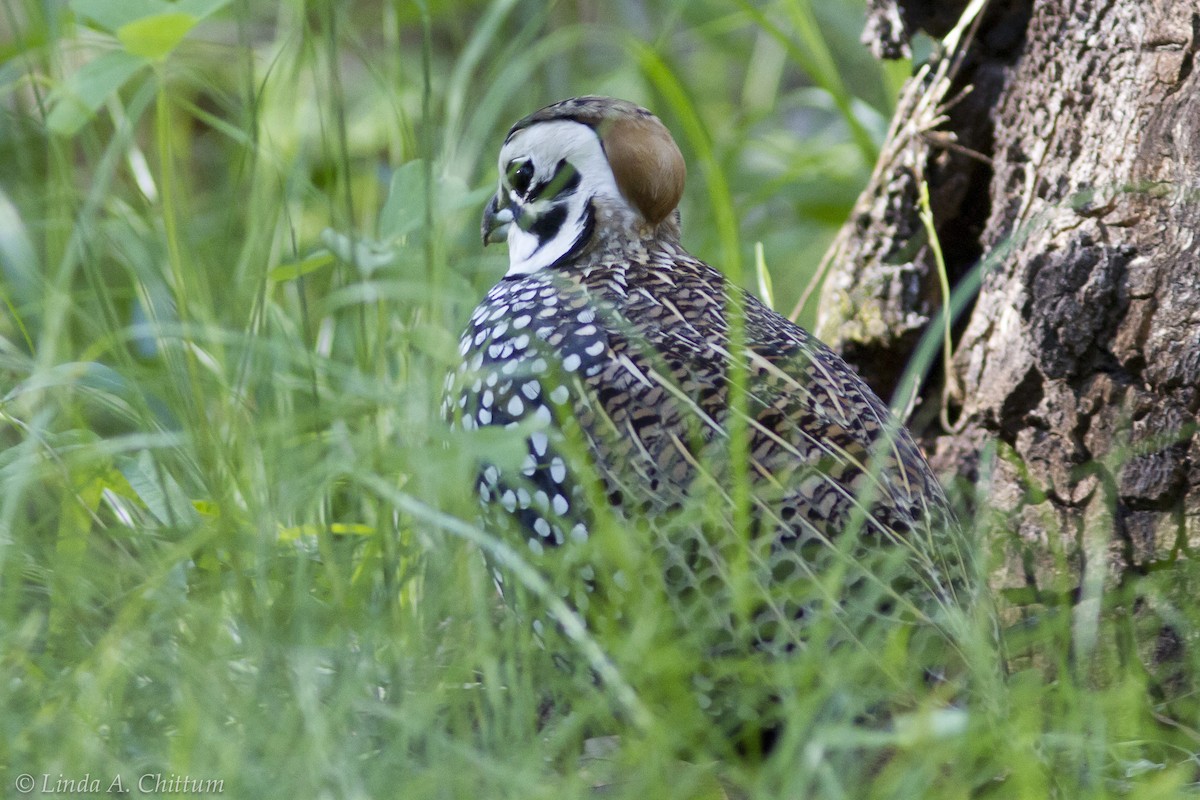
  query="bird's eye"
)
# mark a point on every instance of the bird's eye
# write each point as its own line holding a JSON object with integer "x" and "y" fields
{"x": 520, "y": 173}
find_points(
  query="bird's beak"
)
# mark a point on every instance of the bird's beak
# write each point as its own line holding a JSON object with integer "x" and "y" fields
{"x": 497, "y": 216}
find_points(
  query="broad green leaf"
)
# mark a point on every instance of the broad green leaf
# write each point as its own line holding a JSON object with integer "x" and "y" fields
{"x": 365, "y": 255}
{"x": 74, "y": 102}
{"x": 200, "y": 8}
{"x": 294, "y": 269}
{"x": 454, "y": 193}
{"x": 404, "y": 210}
{"x": 12, "y": 70}
{"x": 20, "y": 288}
{"x": 206, "y": 509}
{"x": 158, "y": 490}
{"x": 154, "y": 37}
{"x": 114, "y": 14}
{"x": 147, "y": 28}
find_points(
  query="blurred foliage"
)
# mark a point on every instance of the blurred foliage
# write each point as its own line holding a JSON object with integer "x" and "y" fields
{"x": 237, "y": 242}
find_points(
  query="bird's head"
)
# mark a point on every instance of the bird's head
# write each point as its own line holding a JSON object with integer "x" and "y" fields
{"x": 575, "y": 167}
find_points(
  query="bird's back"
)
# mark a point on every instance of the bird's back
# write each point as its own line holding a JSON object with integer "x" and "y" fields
{"x": 632, "y": 349}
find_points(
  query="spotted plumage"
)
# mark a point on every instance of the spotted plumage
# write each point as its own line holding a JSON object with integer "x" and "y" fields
{"x": 606, "y": 322}
{"x": 609, "y": 346}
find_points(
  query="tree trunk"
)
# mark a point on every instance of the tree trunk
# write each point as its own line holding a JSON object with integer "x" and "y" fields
{"x": 1072, "y": 169}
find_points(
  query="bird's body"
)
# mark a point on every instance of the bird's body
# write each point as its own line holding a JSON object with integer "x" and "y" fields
{"x": 652, "y": 392}
{"x": 632, "y": 346}
{"x": 606, "y": 327}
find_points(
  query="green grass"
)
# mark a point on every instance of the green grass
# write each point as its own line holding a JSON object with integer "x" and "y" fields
{"x": 238, "y": 544}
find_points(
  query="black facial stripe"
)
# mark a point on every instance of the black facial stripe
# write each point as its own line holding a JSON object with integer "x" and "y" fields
{"x": 546, "y": 226}
{"x": 585, "y": 233}
{"x": 562, "y": 183}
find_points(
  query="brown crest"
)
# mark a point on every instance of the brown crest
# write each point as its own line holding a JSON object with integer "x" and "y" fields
{"x": 646, "y": 163}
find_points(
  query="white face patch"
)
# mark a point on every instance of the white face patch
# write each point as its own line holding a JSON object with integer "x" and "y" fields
{"x": 552, "y": 206}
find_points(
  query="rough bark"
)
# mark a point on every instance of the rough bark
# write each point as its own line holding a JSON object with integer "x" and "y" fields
{"x": 1072, "y": 169}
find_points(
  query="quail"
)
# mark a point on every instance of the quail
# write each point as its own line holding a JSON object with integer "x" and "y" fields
{"x": 605, "y": 320}
{"x": 644, "y": 382}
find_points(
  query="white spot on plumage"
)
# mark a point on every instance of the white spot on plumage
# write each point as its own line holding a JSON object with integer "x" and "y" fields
{"x": 560, "y": 505}
{"x": 539, "y": 441}
{"x": 594, "y": 349}
{"x": 560, "y": 394}
{"x": 515, "y": 406}
{"x": 572, "y": 362}
{"x": 558, "y": 470}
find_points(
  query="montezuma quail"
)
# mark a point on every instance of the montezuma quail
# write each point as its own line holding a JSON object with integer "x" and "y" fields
{"x": 604, "y": 322}
{"x": 611, "y": 347}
